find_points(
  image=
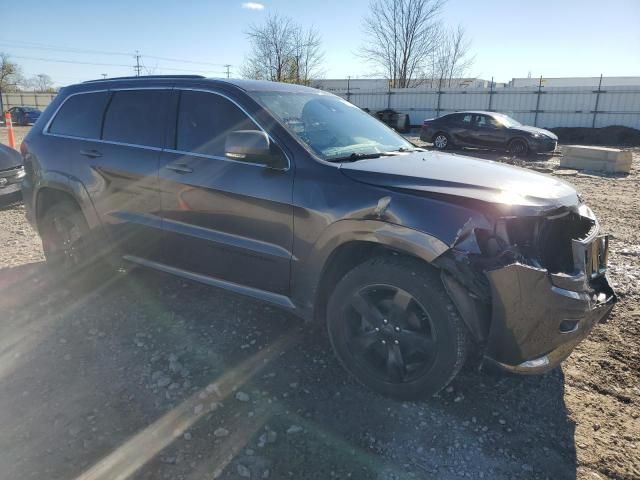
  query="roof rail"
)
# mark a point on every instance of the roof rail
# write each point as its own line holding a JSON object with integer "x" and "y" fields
{"x": 143, "y": 76}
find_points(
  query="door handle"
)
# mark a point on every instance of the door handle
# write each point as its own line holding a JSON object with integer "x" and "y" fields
{"x": 91, "y": 153}
{"x": 179, "y": 168}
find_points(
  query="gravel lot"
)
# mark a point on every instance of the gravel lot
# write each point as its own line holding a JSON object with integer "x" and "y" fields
{"x": 153, "y": 377}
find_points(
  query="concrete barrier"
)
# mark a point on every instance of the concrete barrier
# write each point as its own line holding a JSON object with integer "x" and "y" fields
{"x": 602, "y": 159}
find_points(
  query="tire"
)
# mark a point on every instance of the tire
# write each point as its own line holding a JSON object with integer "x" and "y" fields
{"x": 70, "y": 254}
{"x": 519, "y": 147}
{"x": 395, "y": 329}
{"x": 441, "y": 141}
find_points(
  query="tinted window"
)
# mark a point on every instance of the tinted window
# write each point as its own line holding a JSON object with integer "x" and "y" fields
{"x": 205, "y": 120}
{"x": 486, "y": 121}
{"x": 81, "y": 115}
{"x": 136, "y": 117}
{"x": 467, "y": 118}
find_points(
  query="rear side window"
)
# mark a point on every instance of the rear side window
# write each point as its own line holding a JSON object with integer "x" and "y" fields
{"x": 81, "y": 115}
{"x": 205, "y": 120}
{"x": 136, "y": 117}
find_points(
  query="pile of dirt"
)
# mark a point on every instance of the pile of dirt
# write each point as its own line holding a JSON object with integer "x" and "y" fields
{"x": 613, "y": 135}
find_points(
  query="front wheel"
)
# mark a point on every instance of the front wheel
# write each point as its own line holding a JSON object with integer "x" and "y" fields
{"x": 393, "y": 326}
{"x": 518, "y": 147}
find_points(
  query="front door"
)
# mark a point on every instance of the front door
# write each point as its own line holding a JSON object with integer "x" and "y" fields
{"x": 487, "y": 132}
{"x": 225, "y": 219}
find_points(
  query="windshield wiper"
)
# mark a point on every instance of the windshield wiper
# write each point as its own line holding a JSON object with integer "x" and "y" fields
{"x": 405, "y": 150}
{"x": 354, "y": 157}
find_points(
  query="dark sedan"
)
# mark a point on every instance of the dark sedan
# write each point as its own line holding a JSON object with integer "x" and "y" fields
{"x": 11, "y": 171}
{"x": 487, "y": 130}
{"x": 24, "y": 115}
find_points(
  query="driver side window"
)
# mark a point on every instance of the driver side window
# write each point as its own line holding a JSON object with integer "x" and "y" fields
{"x": 205, "y": 120}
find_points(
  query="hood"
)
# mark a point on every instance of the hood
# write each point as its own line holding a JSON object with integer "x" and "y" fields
{"x": 527, "y": 129}
{"x": 463, "y": 176}
{"x": 9, "y": 158}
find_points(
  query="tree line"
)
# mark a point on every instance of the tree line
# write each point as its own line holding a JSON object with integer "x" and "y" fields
{"x": 405, "y": 41}
{"x": 13, "y": 80}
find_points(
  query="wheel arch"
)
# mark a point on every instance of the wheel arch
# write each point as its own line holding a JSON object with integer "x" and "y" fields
{"x": 349, "y": 243}
{"x": 53, "y": 190}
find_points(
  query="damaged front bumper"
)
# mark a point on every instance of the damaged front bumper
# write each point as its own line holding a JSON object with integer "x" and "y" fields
{"x": 535, "y": 324}
{"x": 530, "y": 288}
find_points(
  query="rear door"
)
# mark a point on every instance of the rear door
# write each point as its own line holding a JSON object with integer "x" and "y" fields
{"x": 225, "y": 219}
{"x": 461, "y": 125}
{"x": 120, "y": 169}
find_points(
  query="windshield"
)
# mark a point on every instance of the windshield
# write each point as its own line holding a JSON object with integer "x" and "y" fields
{"x": 332, "y": 127}
{"x": 506, "y": 120}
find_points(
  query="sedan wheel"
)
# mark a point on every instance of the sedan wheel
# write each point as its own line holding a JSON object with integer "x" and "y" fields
{"x": 394, "y": 328}
{"x": 518, "y": 147}
{"x": 441, "y": 141}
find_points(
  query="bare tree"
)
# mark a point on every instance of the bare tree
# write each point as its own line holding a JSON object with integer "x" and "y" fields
{"x": 10, "y": 73}
{"x": 401, "y": 36}
{"x": 306, "y": 55}
{"x": 41, "y": 83}
{"x": 283, "y": 51}
{"x": 451, "y": 59}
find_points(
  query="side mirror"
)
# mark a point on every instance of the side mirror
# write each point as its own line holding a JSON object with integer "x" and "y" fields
{"x": 253, "y": 146}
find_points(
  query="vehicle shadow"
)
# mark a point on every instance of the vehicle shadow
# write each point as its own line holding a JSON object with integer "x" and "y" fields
{"x": 119, "y": 379}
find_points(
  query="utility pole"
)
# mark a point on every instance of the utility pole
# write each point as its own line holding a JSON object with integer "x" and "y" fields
{"x": 137, "y": 67}
{"x": 104, "y": 75}
{"x": 228, "y": 66}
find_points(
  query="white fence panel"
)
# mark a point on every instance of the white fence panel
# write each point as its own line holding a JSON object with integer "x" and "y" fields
{"x": 26, "y": 99}
{"x": 551, "y": 107}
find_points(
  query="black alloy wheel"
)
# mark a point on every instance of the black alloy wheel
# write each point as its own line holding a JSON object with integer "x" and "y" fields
{"x": 393, "y": 326}
{"x": 390, "y": 333}
{"x": 63, "y": 236}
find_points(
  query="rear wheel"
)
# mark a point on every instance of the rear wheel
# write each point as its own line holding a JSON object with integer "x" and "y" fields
{"x": 71, "y": 256}
{"x": 393, "y": 326}
{"x": 441, "y": 141}
{"x": 518, "y": 147}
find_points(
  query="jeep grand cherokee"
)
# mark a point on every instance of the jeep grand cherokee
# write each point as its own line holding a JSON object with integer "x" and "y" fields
{"x": 296, "y": 197}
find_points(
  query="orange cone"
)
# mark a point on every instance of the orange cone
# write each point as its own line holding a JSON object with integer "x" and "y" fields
{"x": 9, "y": 125}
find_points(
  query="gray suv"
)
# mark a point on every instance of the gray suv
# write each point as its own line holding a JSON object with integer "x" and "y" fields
{"x": 297, "y": 198}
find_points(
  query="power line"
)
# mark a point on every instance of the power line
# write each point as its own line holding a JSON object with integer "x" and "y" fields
{"x": 186, "y": 61}
{"x": 41, "y": 46}
{"x": 136, "y": 67}
{"x": 71, "y": 61}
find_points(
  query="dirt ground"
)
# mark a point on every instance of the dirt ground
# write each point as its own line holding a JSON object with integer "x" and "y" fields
{"x": 153, "y": 377}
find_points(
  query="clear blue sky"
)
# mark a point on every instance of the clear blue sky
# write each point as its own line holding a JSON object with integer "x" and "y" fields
{"x": 510, "y": 38}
